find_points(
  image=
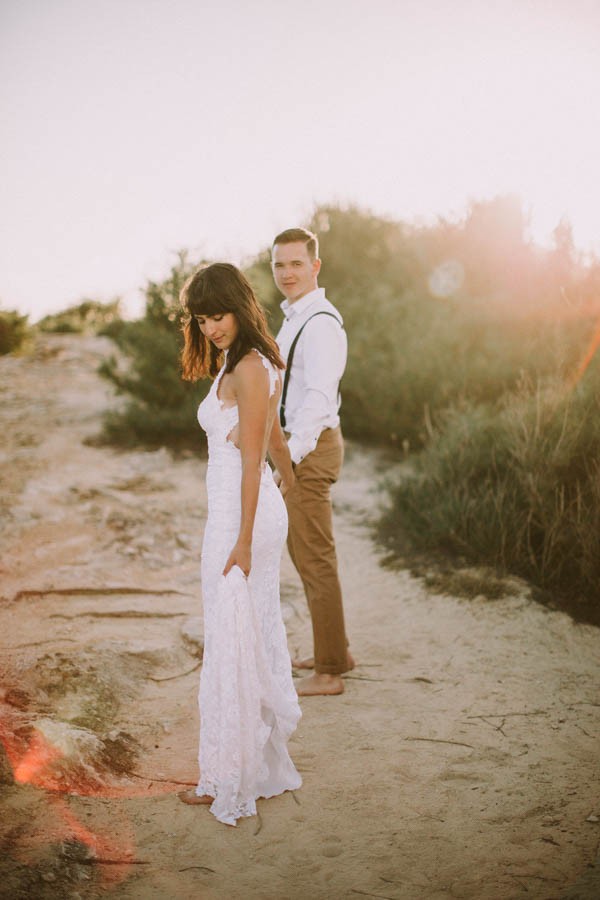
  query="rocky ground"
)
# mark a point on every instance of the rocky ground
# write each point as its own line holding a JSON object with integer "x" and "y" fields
{"x": 461, "y": 761}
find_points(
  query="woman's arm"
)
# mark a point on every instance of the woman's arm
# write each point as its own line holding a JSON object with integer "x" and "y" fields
{"x": 251, "y": 384}
{"x": 280, "y": 454}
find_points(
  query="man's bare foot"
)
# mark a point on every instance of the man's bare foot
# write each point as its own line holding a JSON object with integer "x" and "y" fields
{"x": 319, "y": 685}
{"x": 192, "y": 798}
{"x": 304, "y": 663}
{"x": 310, "y": 662}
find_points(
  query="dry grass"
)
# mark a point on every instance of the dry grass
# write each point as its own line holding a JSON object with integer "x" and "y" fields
{"x": 517, "y": 490}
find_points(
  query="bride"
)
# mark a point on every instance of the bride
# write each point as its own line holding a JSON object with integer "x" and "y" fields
{"x": 248, "y": 705}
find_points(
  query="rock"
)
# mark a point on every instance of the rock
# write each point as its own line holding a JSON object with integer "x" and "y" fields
{"x": 70, "y": 750}
{"x": 550, "y": 820}
{"x": 192, "y": 634}
{"x": 592, "y": 818}
{"x": 75, "y": 758}
{"x": 18, "y": 698}
{"x": 120, "y": 751}
{"x": 144, "y": 652}
{"x": 77, "y": 851}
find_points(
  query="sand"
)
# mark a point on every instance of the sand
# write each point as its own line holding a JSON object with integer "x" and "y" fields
{"x": 461, "y": 761}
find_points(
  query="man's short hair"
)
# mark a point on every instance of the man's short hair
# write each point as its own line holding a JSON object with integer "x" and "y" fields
{"x": 300, "y": 235}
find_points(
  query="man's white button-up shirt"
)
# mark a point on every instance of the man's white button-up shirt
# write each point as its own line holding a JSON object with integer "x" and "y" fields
{"x": 312, "y": 402}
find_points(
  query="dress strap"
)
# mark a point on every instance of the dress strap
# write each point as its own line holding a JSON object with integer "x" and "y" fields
{"x": 273, "y": 372}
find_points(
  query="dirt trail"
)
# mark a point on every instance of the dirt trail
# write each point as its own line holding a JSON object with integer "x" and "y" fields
{"x": 461, "y": 762}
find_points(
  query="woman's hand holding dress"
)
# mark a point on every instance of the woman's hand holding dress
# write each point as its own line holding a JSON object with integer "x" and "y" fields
{"x": 240, "y": 556}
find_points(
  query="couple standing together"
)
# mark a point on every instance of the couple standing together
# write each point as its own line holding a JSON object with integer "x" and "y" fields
{"x": 277, "y": 398}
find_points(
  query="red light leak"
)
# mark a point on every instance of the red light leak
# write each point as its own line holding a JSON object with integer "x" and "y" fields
{"x": 39, "y": 756}
{"x": 113, "y": 853}
{"x": 587, "y": 357}
{"x": 37, "y": 763}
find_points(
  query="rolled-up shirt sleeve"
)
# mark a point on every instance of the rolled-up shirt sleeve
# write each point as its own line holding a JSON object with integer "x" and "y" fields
{"x": 324, "y": 349}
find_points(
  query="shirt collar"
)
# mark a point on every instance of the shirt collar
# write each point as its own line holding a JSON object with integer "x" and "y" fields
{"x": 293, "y": 309}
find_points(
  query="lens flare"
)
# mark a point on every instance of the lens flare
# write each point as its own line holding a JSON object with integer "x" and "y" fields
{"x": 446, "y": 279}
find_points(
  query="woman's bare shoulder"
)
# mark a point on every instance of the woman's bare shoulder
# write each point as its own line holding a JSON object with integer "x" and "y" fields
{"x": 251, "y": 371}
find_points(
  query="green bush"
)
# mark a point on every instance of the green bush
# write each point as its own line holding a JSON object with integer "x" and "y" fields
{"x": 87, "y": 317}
{"x": 517, "y": 489}
{"x": 412, "y": 353}
{"x": 161, "y": 408}
{"x": 13, "y": 331}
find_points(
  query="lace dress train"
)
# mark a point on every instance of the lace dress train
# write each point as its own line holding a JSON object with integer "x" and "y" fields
{"x": 248, "y": 704}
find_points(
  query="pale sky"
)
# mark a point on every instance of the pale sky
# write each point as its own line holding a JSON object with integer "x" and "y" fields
{"x": 134, "y": 128}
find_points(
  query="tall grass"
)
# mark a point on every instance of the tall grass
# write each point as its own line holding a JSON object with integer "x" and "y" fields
{"x": 516, "y": 488}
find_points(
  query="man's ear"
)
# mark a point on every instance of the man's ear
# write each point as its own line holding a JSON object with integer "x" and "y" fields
{"x": 317, "y": 266}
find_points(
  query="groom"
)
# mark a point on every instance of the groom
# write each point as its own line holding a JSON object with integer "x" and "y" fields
{"x": 313, "y": 343}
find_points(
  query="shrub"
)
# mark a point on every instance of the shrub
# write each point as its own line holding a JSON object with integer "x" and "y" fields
{"x": 517, "y": 489}
{"x": 161, "y": 408}
{"x": 89, "y": 316}
{"x": 13, "y": 331}
{"x": 412, "y": 352}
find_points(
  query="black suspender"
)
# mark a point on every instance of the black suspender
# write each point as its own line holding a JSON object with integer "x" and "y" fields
{"x": 290, "y": 358}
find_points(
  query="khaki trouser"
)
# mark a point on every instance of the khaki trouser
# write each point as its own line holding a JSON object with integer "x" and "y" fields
{"x": 312, "y": 548}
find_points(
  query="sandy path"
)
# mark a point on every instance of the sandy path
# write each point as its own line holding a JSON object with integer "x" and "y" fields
{"x": 461, "y": 762}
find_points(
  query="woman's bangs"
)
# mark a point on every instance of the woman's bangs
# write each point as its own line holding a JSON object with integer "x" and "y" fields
{"x": 209, "y": 303}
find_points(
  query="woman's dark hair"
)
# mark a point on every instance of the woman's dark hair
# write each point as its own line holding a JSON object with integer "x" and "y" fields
{"x": 215, "y": 290}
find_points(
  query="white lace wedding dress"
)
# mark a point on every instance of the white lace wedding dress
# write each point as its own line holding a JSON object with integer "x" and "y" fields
{"x": 248, "y": 704}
